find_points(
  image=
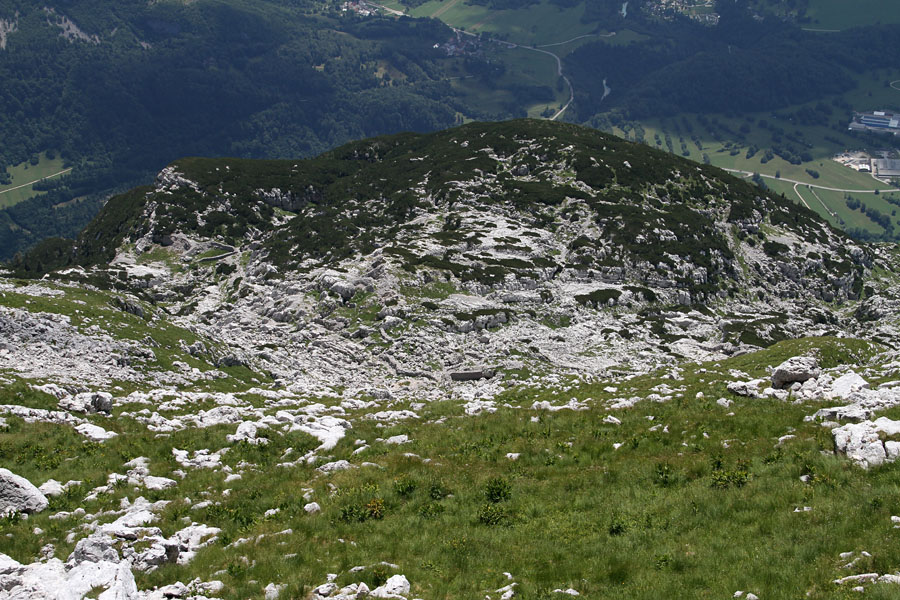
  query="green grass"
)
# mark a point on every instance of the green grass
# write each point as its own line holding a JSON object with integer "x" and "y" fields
{"x": 542, "y": 23}
{"x": 26, "y": 173}
{"x": 86, "y": 308}
{"x": 672, "y": 514}
{"x": 839, "y": 14}
{"x": 723, "y": 143}
{"x": 522, "y": 67}
{"x": 714, "y": 146}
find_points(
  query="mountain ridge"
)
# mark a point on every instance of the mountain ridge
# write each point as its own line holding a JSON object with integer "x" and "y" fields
{"x": 493, "y": 361}
{"x": 504, "y": 228}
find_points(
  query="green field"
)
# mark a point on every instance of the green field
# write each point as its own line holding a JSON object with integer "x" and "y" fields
{"x": 539, "y": 24}
{"x": 523, "y": 67}
{"x": 23, "y": 175}
{"x": 843, "y": 14}
{"x": 726, "y": 140}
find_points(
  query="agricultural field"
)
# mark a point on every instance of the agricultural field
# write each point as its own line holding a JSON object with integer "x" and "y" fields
{"x": 815, "y": 132}
{"x": 841, "y": 14}
{"x": 536, "y": 25}
{"x": 516, "y": 89}
{"x": 24, "y": 174}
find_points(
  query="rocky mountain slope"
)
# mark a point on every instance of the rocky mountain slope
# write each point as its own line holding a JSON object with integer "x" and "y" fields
{"x": 373, "y": 373}
{"x": 523, "y": 246}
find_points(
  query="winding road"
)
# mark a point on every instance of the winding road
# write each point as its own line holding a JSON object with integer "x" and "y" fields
{"x": 559, "y": 68}
{"x": 896, "y": 85}
{"x": 580, "y": 37}
{"x": 812, "y": 185}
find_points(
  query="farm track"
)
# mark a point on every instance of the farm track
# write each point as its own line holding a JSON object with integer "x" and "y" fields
{"x": 63, "y": 172}
{"x": 440, "y": 11}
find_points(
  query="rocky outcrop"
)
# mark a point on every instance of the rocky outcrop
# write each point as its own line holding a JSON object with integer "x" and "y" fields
{"x": 88, "y": 402}
{"x": 795, "y": 370}
{"x": 867, "y": 443}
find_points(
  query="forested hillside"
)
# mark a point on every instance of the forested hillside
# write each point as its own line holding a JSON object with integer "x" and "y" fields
{"x": 122, "y": 90}
{"x": 744, "y": 64}
{"x": 118, "y": 91}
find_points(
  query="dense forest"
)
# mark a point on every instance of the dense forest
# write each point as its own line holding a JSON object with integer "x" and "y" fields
{"x": 122, "y": 89}
{"x": 745, "y": 64}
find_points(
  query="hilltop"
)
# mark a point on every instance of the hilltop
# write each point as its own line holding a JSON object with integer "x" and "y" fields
{"x": 534, "y": 225}
{"x": 514, "y": 359}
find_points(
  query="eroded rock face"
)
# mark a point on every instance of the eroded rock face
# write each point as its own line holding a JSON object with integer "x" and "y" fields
{"x": 797, "y": 369}
{"x": 19, "y": 495}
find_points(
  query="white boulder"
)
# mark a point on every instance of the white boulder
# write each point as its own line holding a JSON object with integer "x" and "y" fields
{"x": 19, "y": 495}
{"x": 395, "y": 587}
{"x": 88, "y": 402}
{"x": 846, "y": 384}
{"x": 796, "y": 369}
{"x": 52, "y": 487}
{"x": 862, "y": 442}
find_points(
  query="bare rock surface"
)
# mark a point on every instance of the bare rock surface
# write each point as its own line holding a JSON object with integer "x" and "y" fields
{"x": 795, "y": 370}
{"x": 17, "y": 494}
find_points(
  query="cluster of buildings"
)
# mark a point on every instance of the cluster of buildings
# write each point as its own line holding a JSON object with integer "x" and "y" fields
{"x": 702, "y": 11}
{"x": 461, "y": 45}
{"x": 359, "y": 7}
{"x": 882, "y": 164}
{"x": 878, "y": 121}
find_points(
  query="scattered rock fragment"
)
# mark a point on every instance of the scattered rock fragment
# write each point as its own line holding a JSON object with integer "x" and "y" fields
{"x": 88, "y": 402}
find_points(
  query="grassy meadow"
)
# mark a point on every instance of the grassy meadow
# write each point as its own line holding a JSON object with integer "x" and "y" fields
{"x": 684, "y": 499}
{"x": 840, "y": 14}
{"x": 26, "y": 173}
{"x": 542, "y": 23}
{"x": 741, "y": 143}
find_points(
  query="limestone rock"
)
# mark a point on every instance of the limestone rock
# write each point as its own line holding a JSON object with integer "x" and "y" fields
{"x": 796, "y": 369}
{"x": 88, "y": 402}
{"x": 338, "y": 465}
{"x": 20, "y": 495}
{"x": 749, "y": 389}
{"x": 95, "y": 433}
{"x": 862, "y": 442}
{"x": 52, "y": 487}
{"x": 395, "y": 587}
{"x": 471, "y": 375}
{"x": 845, "y": 385}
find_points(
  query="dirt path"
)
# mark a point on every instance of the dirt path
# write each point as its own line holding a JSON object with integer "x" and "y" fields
{"x": 825, "y": 206}
{"x": 577, "y": 38}
{"x": 799, "y": 195}
{"x": 559, "y": 69}
{"x": 396, "y": 13}
{"x": 444, "y": 8}
{"x": 896, "y": 85}
{"x": 64, "y": 171}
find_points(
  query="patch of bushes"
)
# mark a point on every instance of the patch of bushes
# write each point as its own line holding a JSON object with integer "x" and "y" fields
{"x": 497, "y": 490}
{"x": 493, "y": 515}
